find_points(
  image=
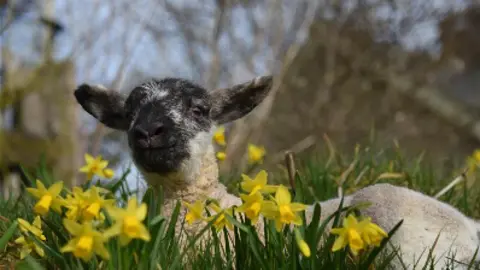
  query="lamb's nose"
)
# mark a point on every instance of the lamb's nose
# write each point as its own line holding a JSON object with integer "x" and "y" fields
{"x": 145, "y": 135}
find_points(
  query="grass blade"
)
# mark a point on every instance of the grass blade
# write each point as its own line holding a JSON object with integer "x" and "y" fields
{"x": 8, "y": 235}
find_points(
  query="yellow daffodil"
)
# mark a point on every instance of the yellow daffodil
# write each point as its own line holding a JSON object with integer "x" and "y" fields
{"x": 221, "y": 156}
{"x": 75, "y": 202}
{"x": 29, "y": 244}
{"x": 219, "y": 136}
{"x": 195, "y": 211}
{"x": 96, "y": 166}
{"x": 221, "y": 221}
{"x": 255, "y": 154}
{"x": 128, "y": 222}
{"x": 86, "y": 241}
{"x": 258, "y": 184}
{"x": 302, "y": 245}
{"x": 252, "y": 206}
{"x": 371, "y": 233}
{"x": 86, "y": 205}
{"x": 35, "y": 228}
{"x": 282, "y": 210}
{"x": 47, "y": 198}
{"x": 94, "y": 202}
{"x": 349, "y": 235}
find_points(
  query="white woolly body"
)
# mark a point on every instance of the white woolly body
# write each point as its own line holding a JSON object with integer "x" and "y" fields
{"x": 424, "y": 217}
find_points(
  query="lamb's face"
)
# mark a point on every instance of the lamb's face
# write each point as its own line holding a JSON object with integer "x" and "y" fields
{"x": 168, "y": 120}
{"x": 165, "y": 117}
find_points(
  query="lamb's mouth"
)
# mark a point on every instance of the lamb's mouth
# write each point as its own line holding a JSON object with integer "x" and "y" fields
{"x": 160, "y": 159}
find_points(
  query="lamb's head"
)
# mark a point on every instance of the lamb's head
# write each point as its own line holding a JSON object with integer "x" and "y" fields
{"x": 172, "y": 120}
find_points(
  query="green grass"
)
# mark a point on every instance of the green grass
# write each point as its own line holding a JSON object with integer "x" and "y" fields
{"x": 317, "y": 178}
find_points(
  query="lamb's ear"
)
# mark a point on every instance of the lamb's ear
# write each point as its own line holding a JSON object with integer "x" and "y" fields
{"x": 232, "y": 103}
{"x": 105, "y": 105}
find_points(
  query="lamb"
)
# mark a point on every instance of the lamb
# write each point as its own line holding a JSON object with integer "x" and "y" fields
{"x": 170, "y": 124}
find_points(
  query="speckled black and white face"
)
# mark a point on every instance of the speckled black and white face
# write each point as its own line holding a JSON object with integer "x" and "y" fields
{"x": 169, "y": 120}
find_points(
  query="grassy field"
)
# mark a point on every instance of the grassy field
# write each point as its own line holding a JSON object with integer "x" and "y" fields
{"x": 318, "y": 178}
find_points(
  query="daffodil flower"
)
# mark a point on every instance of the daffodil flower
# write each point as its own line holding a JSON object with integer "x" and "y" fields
{"x": 128, "y": 222}
{"x": 221, "y": 220}
{"x": 221, "y": 155}
{"x": 251, "y": 206}
{"x": 357, "y": 235}
{"x": 29, "y": 245}
{"x": 255, "y": 154}
{"x": 349, "y": 235}
{"x": 195, "y": 211}
{"x": 282, "y": 210}
{"x": 86, "y": 241}
{"x": 47, "y": 198}
{"x": 219, "y": 136}
{"x": 257, "y": 184}
{"x": 371, "y": 233}
{"x": 74, "y": 202}
{"x": 35, "y": 228}
{"x": 96, "y": 166}
{"x": 95, "y": 202}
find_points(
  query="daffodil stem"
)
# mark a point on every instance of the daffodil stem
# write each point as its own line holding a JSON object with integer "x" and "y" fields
{"x": 290, "y": 163}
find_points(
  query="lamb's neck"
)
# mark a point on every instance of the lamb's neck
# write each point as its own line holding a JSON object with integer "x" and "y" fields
{"x": 196, "y": 179}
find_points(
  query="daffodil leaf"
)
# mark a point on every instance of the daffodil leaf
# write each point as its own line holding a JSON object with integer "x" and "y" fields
{"x": 115, "y": 186}
{"x": 8, "y": 235}
{"x": 156, "y": 220}
{"x": 28, "y": 176}
{"x": 236, "y": 223}
{"x": 173, "y": 221}
{"x": 312, "y": 234}
{"x": 152, "y": 202}
{"x": 256, "y": 252}
{"x": 43, "y": 172}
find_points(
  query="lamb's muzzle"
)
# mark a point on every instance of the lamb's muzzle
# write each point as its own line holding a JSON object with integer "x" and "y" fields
{"x": 170, "y": 125}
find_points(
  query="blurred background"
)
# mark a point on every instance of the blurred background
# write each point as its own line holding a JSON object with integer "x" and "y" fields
{"x": 379, "y": 72}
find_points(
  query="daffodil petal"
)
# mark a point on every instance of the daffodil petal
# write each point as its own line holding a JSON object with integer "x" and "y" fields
{"x": 296, "y": 207}
{"x": 69, "y": 247}
{"x": 261, "y": 177}
{"x": 116, "y": 229}
{"x": 144, "y": 234}
{"x": 283, "y": 195}
{"x": 350, "y": 221}
{"x": 35, "y": 192}
{"x": 72, "y": 227}
{"x": 141, "y": 212}
{"x": 88, "y": 158}
{"x": 339, "y": 243}
{"x": 39, "y": 250}
{"x": 269, "y": 189}
{"x": 101, "y": 250}
{"x": 55, "y": 189}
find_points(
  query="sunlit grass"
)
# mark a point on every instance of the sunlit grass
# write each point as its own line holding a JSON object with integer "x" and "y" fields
{"x": 319, "y": 177}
